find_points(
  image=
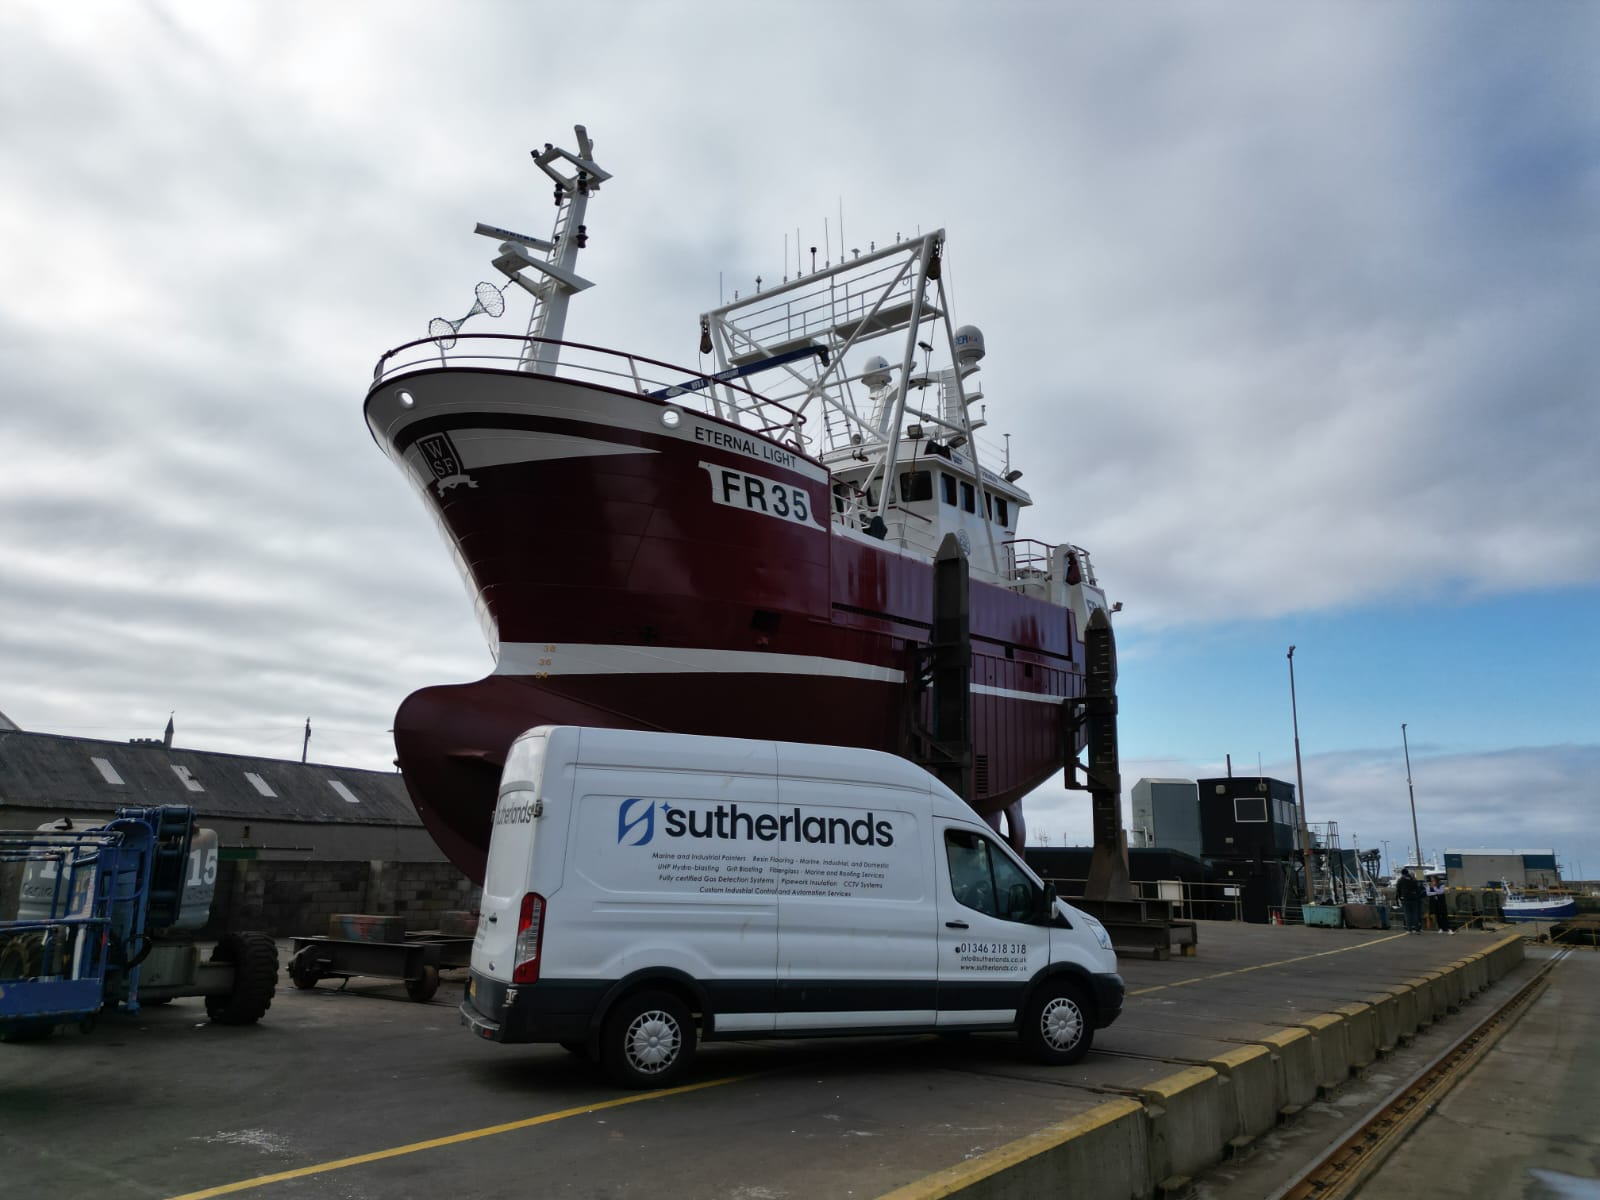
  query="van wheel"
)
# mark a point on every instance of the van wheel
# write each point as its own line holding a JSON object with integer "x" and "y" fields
{"x": 1058, "y": 1028}
{"x": 648, "y": 1041}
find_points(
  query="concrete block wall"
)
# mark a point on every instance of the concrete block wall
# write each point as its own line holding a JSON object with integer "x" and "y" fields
{"x": 289, "y": 899}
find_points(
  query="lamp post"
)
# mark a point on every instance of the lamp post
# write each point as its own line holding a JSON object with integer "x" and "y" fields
{"x": 1389, "y": 862}
{"x": 1416, "y": 838}
{"x": 1300, "y": 782}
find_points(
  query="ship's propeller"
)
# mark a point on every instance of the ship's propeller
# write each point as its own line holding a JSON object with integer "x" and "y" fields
{"x": 490, "y": 299}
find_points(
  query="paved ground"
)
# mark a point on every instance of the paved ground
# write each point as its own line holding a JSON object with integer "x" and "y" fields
{"x": 1524, "y": 1123}
{"x": 164, "y": 1104}
{"x": 1520, "y": 1126}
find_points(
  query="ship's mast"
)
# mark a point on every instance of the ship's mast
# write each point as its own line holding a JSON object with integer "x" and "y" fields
{"x": 552, "y": 261}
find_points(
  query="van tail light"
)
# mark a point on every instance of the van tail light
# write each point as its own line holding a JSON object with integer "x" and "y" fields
{"x": 530, "y": 934}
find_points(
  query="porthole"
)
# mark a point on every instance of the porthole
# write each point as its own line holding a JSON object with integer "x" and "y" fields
{"x": 407, "y": 399}
{"x": 670, "y": 417}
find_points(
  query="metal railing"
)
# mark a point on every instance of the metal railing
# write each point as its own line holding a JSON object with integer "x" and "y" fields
{"x": 1185, "y": 901}
{"x": 613, "y": 369}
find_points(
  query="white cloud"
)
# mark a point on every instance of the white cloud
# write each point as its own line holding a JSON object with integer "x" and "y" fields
{"x": 1287, "y": 309}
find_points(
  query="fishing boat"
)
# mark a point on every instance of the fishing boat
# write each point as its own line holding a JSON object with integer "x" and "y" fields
{"x": 1520, "y": 906}
{"x": 659, "y": 547}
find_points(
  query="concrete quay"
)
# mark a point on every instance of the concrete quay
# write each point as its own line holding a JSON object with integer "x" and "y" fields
{"x": 363, "y": 1094}
{"x": 1213, "y": 1051}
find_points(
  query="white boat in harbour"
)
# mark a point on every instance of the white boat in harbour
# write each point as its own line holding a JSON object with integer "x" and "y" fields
{"x": 1519, "y": 906}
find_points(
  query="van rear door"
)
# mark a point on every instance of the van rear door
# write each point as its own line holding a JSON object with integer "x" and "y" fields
{"x": 520, "y": 822}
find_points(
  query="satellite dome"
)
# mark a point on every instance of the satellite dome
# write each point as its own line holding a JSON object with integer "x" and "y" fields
{"x": 969, "y": 344}
{"x": 875, "y": 372}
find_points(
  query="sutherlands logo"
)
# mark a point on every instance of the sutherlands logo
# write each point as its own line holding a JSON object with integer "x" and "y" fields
{"x": 636, "y": 825}
{"x": 642, "y": 823}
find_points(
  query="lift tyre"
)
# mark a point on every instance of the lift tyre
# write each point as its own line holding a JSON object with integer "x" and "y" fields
{"x": 423, "y": 987}
{"x": 255, "y": 978}
{"x": 1058, "y": 1027}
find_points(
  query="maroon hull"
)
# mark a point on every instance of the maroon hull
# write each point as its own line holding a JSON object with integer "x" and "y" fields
{"x": 632, "y": 580}
{"x": 452, "y": 739}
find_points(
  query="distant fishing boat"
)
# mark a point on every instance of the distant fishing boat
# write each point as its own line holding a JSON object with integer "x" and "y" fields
{"x": 1519, "y": 906}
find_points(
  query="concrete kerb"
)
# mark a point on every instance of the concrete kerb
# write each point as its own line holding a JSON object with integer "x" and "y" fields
{"x": 1251, "y": 1075}
{"x": 1428, "y": 1010}
{"x": 1294, "y": 1058}
{"x": 1186, "y": 1121}
{"x": 1454, "y": 986}
{"x": 1329, "y": 1033}
{"x": 1108, "y": 1145}
{"x": 1386, "y": 1019}
{"x": 1361, "y": 1034}
{"x": 1191, "y": 1122}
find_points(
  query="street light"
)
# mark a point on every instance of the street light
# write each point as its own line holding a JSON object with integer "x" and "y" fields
{"x": 1389, "y": 861}
{"x": 1416, "y": 838}
{"x": 1300, "y": 781}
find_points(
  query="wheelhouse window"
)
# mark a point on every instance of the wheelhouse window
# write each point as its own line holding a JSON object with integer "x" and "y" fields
{"x": 969, "y": 497}
{"x": 947, "y": 486}
{"x": 1002, "y": 512}
{"x": 916, "y": 485}
{"x": 983, "y": 878}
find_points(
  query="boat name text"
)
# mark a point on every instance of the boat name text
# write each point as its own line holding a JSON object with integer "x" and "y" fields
{"x": 724, "y": 439}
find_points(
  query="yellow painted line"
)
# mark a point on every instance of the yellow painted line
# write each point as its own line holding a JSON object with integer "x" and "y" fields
{"x": 338, "y": 1164}
{"x": 1170, "y": 1087}
{"x": 1282, "y": 962}
{"x": 953, "y": 1180}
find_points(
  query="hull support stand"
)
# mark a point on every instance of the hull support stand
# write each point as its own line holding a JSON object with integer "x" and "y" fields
{"x": 944, "y": 668}
{"x": 1108, "y": 894}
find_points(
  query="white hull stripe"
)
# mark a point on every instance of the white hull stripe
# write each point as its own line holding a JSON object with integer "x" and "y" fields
{"x": 983, "y": 689}
{"x": 502, "y": 447}
{"x": 565, "y": 659}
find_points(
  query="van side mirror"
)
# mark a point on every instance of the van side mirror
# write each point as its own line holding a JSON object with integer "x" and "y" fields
{"x": 1049, "y": 913}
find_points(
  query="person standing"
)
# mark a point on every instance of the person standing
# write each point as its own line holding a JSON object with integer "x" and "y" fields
{"x": 1437, "y": 903}
{"x": 1409, "y": 892}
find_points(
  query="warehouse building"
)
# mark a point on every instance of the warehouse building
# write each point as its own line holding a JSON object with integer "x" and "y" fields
{"x": 299, "y": 841}
{"x": 1520, "y": 868}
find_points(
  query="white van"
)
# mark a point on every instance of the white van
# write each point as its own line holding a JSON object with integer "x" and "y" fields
{"x": 645, "y": 890}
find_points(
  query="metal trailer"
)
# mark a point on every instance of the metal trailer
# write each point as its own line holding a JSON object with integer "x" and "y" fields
{"x": 105, "y": 919}
{"x": 417, "y": 960}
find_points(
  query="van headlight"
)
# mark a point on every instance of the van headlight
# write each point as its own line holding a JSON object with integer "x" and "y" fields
{"x": 1099, "y": 931}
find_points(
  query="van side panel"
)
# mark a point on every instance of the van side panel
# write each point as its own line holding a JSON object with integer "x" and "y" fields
{"x": 662, "y": 875}
{"x": 857, "y": 945}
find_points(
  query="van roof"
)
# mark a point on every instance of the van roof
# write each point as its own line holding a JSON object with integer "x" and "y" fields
{"x": 699, "y": 752}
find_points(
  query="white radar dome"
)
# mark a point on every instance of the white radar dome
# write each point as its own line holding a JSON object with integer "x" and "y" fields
{"x": 969, "y": 344}
{"x": 875, "y": 372}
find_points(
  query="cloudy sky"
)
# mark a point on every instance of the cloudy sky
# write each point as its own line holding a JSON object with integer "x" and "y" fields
{"x": 1292, "y": 314}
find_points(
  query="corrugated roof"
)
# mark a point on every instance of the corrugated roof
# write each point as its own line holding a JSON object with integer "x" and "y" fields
{"x": 46, "y": 770}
